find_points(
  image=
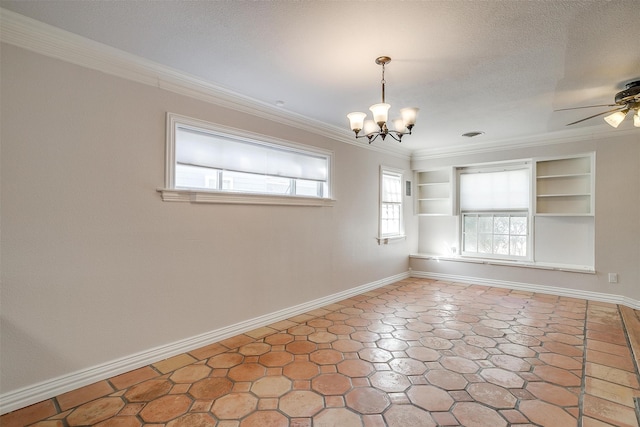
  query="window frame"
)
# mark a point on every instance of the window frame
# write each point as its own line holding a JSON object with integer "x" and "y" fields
{"x": 528, "y": 212}
{"x": 496, "y": 213}
{"x": 171, "y": 192}
{"x": 399, "y": 173}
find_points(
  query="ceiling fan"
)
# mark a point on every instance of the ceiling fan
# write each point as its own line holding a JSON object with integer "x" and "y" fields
{"x": 626, "y": 101}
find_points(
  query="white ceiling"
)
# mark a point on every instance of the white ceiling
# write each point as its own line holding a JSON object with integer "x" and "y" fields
{"x": 501, "y": 67}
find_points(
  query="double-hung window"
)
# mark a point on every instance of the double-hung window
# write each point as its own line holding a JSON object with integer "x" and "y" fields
{"x": 391, "y": 203}
{"x": 495, "y": 212}
{"x": 222, "y": 165}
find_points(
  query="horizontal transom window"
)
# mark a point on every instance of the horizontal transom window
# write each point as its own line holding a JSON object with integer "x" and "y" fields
{"x": 206, "y": 157}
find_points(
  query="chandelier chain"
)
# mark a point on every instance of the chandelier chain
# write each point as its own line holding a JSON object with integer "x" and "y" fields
{"x": 383, "y": 81}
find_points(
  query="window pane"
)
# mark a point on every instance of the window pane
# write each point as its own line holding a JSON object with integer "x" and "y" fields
{"x": 470, "y": 242}
{"x": 308, "y": 188}
{"x": 518, "y": 225}
{"x": 391, "y": 188}
{"x": 518, "y": 245}
{"x": 254, "y": 183}
{"x": 485, "y": 243}
{"x": 390, "y": 221}
{"x": 501, "y": 225}
{"x": 485, "y": 224}
{"x": 188, "y": 176}
{"x": 470, "y": 224}
{"x": 277, "y": 185}
{"x": 500, "y": 244}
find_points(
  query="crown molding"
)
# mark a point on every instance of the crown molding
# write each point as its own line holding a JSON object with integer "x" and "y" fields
{"x": 550, "y": 138}
{"x": 47, "y": 40}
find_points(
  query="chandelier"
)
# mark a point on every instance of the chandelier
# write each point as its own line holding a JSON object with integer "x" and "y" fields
{"x": 378, "y": 126}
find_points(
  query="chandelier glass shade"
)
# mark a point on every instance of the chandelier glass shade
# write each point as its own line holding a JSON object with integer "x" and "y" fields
{"x": 378, "y": 127}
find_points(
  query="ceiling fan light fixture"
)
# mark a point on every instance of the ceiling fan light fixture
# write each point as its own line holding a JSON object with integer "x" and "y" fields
{"x": 616, "y": 118}
{"x": 626, "y": 102}
{"x": 636, "y": 119}
{"x": 378, "y": 126}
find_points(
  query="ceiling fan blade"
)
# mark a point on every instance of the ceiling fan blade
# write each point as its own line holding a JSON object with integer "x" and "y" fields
{"x": 587, "y": 106}
{"x": 596, "y": 115}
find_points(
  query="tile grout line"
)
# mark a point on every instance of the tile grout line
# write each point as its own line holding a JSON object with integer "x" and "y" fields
{"x": 583, "y": 382}
{"x": 629, "y": 320}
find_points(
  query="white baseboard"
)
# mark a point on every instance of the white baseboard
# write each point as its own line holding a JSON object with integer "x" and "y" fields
{"x": 530, "y": 287}
{"x": 17, "y": 399}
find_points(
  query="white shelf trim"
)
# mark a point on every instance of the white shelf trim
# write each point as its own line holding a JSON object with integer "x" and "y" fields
{"x": 565, "y": 195}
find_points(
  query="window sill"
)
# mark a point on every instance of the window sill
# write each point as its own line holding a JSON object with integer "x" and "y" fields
{"x": 523, "y": 264}
{"x": 202, "y": 196}
{"x": 390, "y": 239}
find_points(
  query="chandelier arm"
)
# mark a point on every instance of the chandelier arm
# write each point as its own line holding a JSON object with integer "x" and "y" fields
{"x": 371, "y": 137}
{"x": 397, "y": 136}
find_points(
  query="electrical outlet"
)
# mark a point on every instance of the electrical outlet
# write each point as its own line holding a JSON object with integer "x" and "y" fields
{"x": 613, "y": 277}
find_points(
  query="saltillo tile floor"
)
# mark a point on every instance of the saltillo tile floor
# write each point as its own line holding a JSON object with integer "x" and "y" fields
{"x": 415, "y": 353}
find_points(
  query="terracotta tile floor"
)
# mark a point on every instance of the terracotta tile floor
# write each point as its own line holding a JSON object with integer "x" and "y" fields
{"x": 415, "y": 353}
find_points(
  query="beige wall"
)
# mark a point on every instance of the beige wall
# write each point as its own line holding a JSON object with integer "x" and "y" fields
{"x": 617, "y": 227}
{"x": 95, "y": 267}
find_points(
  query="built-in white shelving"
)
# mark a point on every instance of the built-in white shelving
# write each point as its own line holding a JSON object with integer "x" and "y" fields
{"x": 564, "y": 186}
{"x": 433, "y": 196}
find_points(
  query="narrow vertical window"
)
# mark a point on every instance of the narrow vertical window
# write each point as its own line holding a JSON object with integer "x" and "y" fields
{"x": 390, "y": 203}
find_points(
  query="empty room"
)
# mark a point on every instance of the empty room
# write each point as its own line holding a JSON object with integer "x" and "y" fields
{"x": 313, "y": 214}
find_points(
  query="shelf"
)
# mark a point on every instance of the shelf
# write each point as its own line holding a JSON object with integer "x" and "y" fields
{"x": 571, "y": 175}
{"x": 564, "y": 186}
{"x": 433, "y": 195}
{"x": 572, "y": 204}
{"x": 564, "y": 195}
{"x": 564, "y": 166}
{"x": 425, "y": 184}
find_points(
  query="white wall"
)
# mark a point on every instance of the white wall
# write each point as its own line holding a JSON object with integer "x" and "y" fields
{"x": 95, "y": 267}
{"x": 617, "y": 228}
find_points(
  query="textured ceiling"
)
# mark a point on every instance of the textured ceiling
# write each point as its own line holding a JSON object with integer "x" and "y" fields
{"x": 501, "y": 67}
